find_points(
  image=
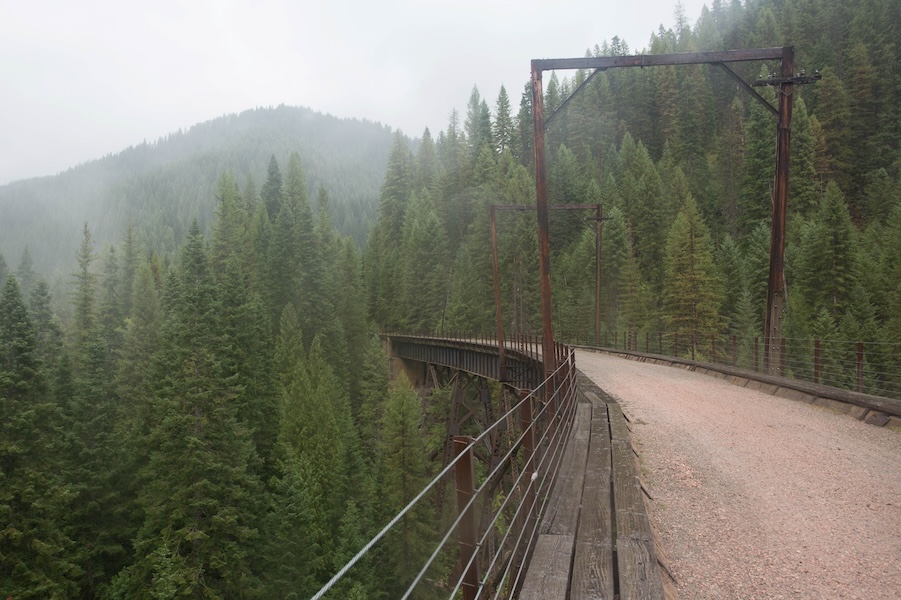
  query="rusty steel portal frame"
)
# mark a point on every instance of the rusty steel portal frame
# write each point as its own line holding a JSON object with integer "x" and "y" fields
{"x": 784, "y": 84}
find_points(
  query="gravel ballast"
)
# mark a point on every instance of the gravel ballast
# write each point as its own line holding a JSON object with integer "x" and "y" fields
{"x": 756, "y": 496}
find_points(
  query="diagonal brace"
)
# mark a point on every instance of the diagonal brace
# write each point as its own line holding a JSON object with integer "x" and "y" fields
{"x": 748, "y": 88}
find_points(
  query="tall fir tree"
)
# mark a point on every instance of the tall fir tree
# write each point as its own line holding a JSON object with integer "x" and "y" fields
{"x": 271, "y": 193}
{"x": 39, "y": 556}
{"x": 691, "y": 296}
{"x": 201, "y": 503}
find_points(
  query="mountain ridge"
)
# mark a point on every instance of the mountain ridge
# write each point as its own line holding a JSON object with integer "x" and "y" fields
{"x": 162, "y": 186}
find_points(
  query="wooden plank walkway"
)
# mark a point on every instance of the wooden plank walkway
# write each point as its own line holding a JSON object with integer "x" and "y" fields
{"x": 595, "y": 540}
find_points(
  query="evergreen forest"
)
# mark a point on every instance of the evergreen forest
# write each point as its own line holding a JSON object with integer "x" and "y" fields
{"x": 194, "y": 399}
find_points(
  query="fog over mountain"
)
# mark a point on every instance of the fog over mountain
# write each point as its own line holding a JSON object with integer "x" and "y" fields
{"x": 162, "y": 186}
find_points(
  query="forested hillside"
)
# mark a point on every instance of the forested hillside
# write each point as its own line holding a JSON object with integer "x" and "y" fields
{"x": 222, "y": 427}
{"x": 212, "y": 415}
{"x": 161, "y": 187}
{"x": 682, "y": 161}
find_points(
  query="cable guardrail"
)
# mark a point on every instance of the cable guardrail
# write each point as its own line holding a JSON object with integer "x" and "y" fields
{"x": 496, "y": 521}
{"x": 871, "y": 367}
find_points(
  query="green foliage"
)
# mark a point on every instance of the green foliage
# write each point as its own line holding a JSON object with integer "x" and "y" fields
{"x": 39, "y": 556}
{"x": 691, "y": 296}
{"x": 828, "y": 272}
{"x": 404, "y": 468}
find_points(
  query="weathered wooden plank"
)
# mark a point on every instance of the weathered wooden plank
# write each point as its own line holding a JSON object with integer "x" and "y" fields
{"x": 592, "y": 576}
{"x": 592, "y": 571}
{"x": 548, "y": 573}
{"x": 618, "y": 428}
{"x": 595, "y": 402}
{"x": 639, "y": 574}
{"x": 631, "y": 517}
{"x": 563, "y": 507}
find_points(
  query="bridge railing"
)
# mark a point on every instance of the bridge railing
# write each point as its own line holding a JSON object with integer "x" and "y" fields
{"x": 481, "y": 547}
{"x": 860, "y": 366}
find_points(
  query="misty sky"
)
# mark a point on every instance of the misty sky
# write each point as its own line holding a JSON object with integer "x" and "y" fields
{"x": 81, "y": 79}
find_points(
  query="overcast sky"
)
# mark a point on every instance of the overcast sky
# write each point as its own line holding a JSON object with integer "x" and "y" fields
{"x": 83, "y": 78}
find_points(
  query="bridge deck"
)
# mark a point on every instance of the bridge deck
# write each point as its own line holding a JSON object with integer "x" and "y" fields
{"x": 759, "y": 496}
{"x": 595, "y": 539}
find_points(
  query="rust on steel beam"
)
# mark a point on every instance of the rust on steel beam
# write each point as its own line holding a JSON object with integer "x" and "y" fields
{"x": 657, "y": 60}
{"x": 775, "y": 286}
{"x": 499, "y": 317}
{"x": 541, "y": 203}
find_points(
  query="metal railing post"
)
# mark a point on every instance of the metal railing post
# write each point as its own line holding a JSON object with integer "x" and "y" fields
{"x": 860, "y": 367}
{"x": 816, "y": 361}
{"x": 734, "y": 351}
{"x": 465, "y": 488}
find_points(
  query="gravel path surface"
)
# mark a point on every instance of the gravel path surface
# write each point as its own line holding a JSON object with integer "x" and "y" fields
{"x": 757, "y": 496}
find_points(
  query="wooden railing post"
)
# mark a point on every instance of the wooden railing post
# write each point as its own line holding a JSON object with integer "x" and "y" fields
{"x": 465, "y": 488}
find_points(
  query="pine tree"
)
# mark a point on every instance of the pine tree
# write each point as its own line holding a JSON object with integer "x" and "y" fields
{"x": 646, "y": 212}
{"x": 282, "y": 268}
{"x": 523, "y": 147}
{"x": 864, "y": 122}
{"x": 39, "y": 559}
{"x": 424, "y": 269}
{"x": 25, "y": 273}
{"x": 827, "y": 270}
{"x": 130, "y": 265}
{"x": 756, "y": 197}
{"x": 229, "y": 236}
{"x": 834, "y": 115}
{"x": 271, "y": 194}
{"x": 382, "y": 255}
{"x": 404, "y": 473}
{"x": 426, "y": 163}
{"x": 802, "y": 180}
{"x": 478, "y": 124}
{"x": 691, "y": 298}
{"x": 201, "y": 502}
{"x": 94, "y": 465}
{"x": 503, "y": 122}
{"x": 47, "y": 326}
{"x": 85, "y": 281}
{"x": 111, "y": 314}
{"x": 297, "y": 533}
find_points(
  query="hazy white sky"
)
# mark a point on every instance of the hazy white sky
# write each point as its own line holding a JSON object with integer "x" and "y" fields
{"x": 83, "y": 78}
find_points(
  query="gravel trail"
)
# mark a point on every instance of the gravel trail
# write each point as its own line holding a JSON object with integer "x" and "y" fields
{"x": 757, "y": 496}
